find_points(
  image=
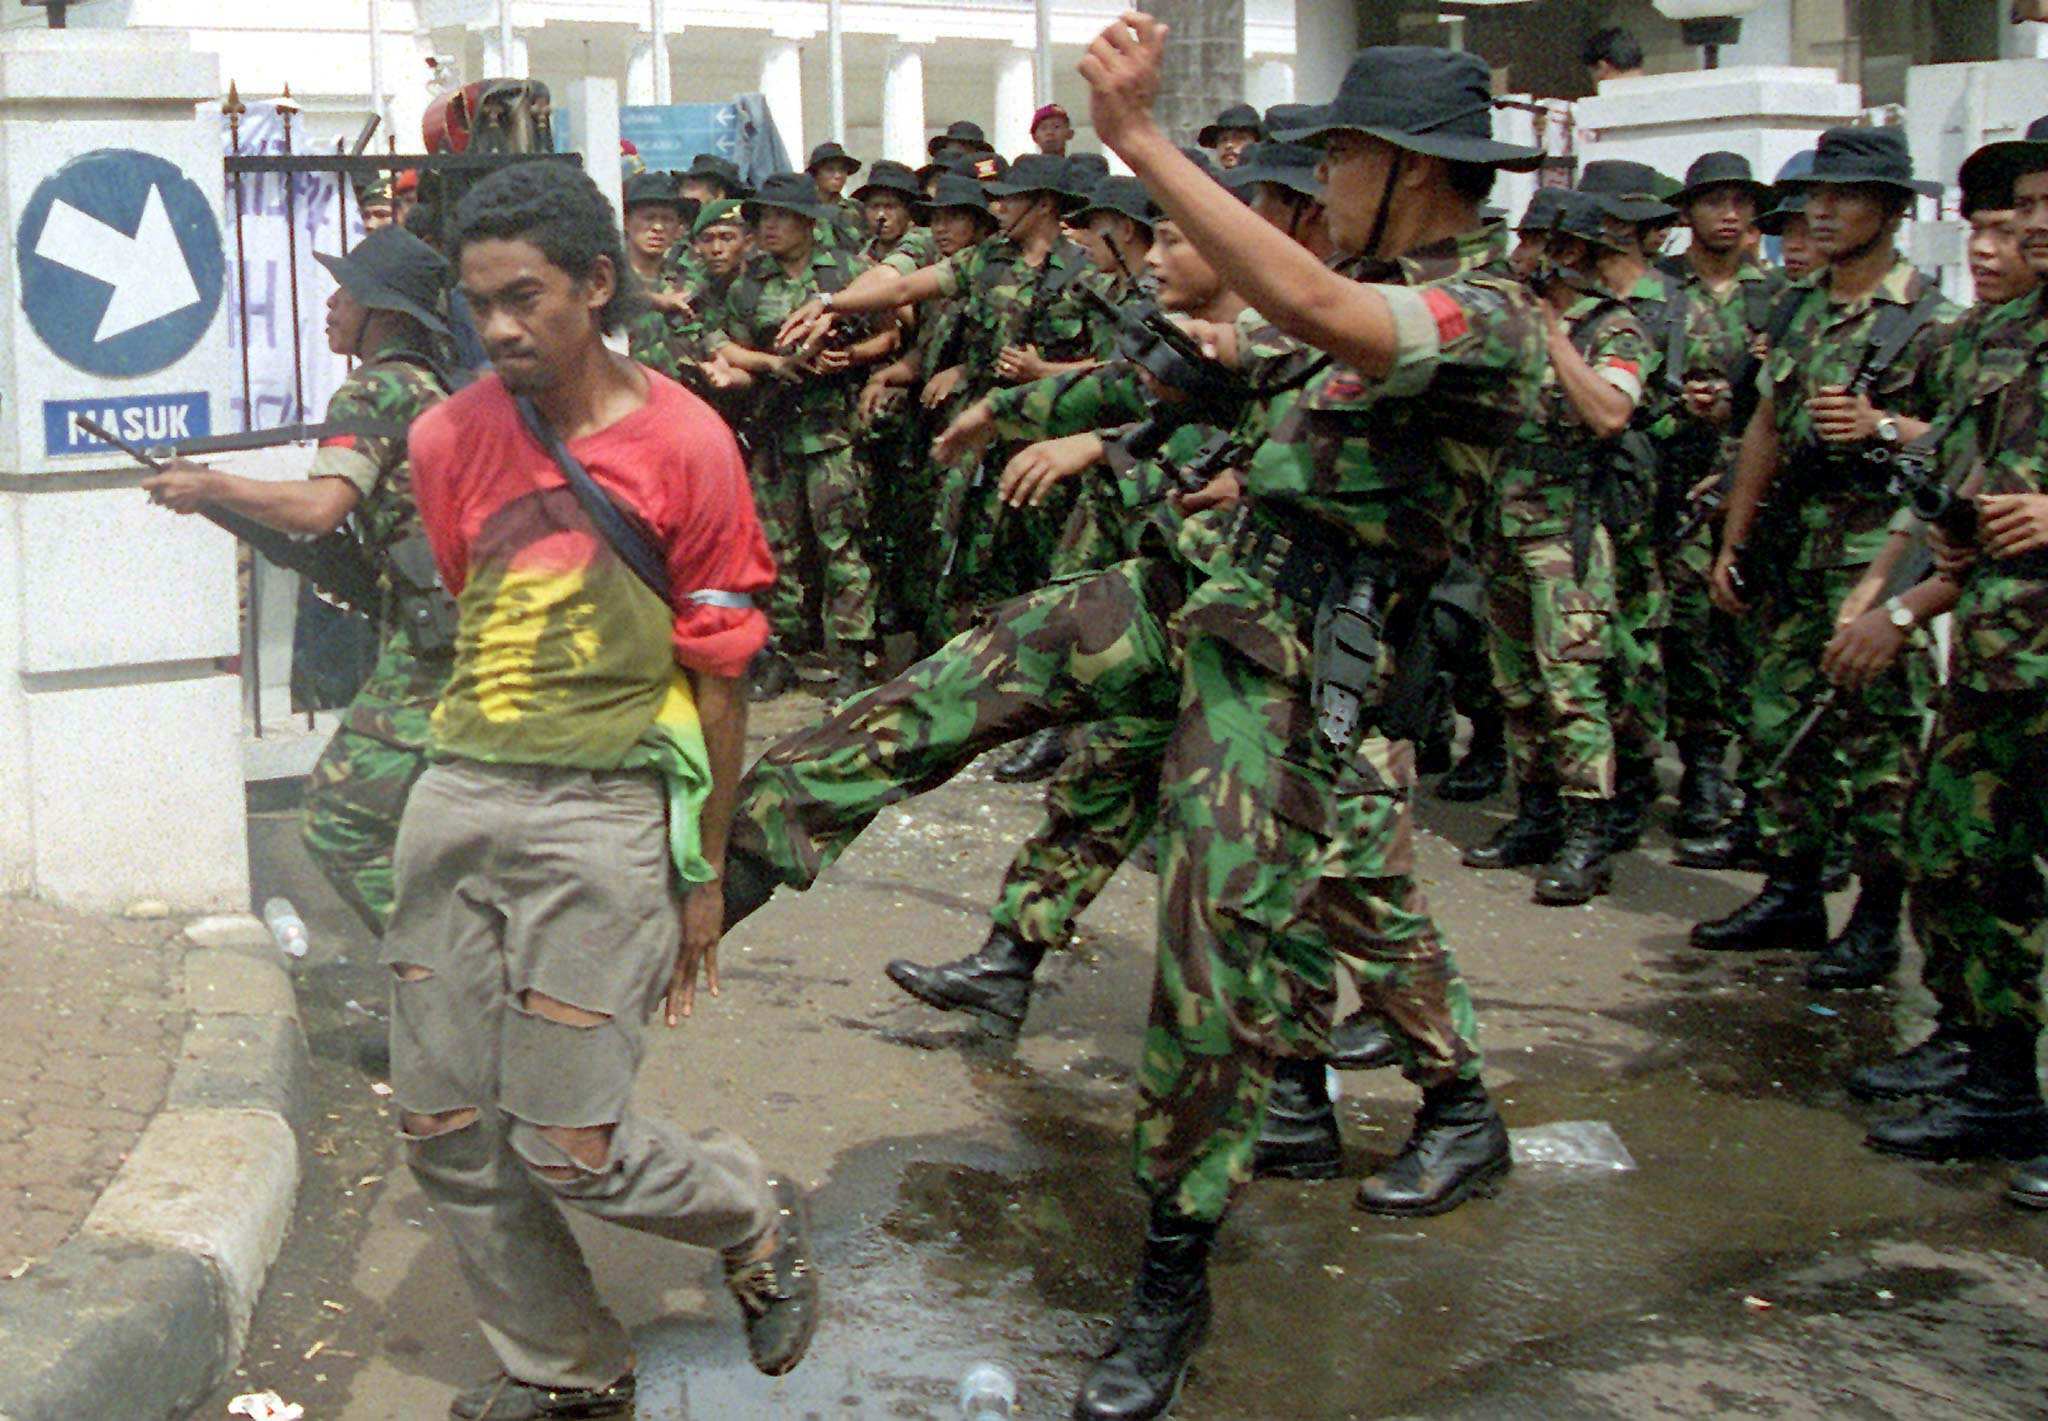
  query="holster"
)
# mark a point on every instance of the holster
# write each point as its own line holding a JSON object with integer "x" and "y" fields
{"x": 418, "y": 601}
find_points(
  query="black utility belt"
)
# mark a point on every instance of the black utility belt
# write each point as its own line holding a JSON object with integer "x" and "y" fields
{"x": 1291, "y": 553}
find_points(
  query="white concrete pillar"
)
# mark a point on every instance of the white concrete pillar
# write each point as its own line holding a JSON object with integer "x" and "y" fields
{"x": 593, "y": 106}
{"x": 1016, "y": 73}
{"x": 1325, "y": 38}
{"x": 500, "y": 65}
{"x": 120, "y": 737}
{"x": 1268, "y": 82}
{"x": 782, "y": 83}
{"x": 1766, "y": 37}
{"x": 640, "y": 72}
{"x": 903, "y": 125}
{"x": 662, "y": 32}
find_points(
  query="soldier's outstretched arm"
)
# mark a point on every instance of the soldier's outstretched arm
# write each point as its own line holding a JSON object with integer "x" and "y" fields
{"x": 1276, "y": 274}
{"x": 879, "y": 288}
{"x": 308, "y": 508}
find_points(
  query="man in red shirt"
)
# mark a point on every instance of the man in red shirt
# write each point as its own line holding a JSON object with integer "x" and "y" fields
{"x": 558, "y": 866}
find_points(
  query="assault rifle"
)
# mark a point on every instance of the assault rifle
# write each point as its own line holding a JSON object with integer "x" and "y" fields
{"x": 333, "y": 562}
{"x": 1152, "y": 342}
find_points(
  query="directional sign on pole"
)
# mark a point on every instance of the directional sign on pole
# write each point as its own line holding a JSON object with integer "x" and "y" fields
{"x": 121, "y": 263}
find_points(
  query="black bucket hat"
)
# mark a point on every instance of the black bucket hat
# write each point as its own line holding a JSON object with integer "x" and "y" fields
{"x": 962, "y": 132}
{"x": 831, "y": 153}
{"x": 956, "y": 190}
{"x": 646, "y": 189}
{"x": 1581, "y": 215}
{"x": 1084, "y": 172}
{"x": 1628, "y": 191}
{"x": 392, "y": 270}
{"x": 1791, "y": 204}
{"x": 1437, "y": 102}
{"x": 713, "y": 168}
{"x": 1236, "y": 116}
{"x": 983, "y": 167}
{"x": 1288, "y": 165}
{"x": 1876, "y": 157}
{"x": 1712, "y": 170}
{"x": 1541, "y": 213}
{"x": 789, "y": 192}
{"x": 888, "y": 175}
{"x": 1033, "y": 172}
{"x": 1126, "y": 197}
{"x": 1997, "y": 164}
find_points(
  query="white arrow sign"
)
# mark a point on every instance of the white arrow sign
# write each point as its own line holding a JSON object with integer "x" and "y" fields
{"x": 147, "y": 271}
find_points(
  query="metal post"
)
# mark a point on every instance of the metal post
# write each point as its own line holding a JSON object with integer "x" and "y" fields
{"x": 664, "y": 79}
{"x": 377, "y": 102}
{"x": 234, "y": 108}
{"x": 835, "y": 67}
{"x": 287, "y": 107}
{"x": 1042, "y": 70}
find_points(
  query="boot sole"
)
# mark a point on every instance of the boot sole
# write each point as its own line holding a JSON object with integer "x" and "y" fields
{"x": 2017, "y": 1152}
{"x": 993, "y": 1022}
{"x": 1816, "y": 941}
{"x": 1829, "y": 983}
{"x": 2027, "y": 1199}
{"x": 1558, "y": 899}
{"x": 1483, "y": 1185}
{"x": 1303, "y": 1170}
{"x": 1873, "y": 1094}
{"x": 1364, "y": 1063}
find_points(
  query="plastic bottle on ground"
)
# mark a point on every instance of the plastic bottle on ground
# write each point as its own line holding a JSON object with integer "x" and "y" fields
{"x": 987, "y": 1393}
{"x": 287, "y": 928}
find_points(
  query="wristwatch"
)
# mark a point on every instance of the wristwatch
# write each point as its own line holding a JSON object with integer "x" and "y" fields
{"x": 1887, "y": 429}
{"x": 1899, "y": 614}
{"x": 825, "y": 301}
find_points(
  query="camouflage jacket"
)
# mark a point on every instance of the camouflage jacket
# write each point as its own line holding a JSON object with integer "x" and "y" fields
{"x": 846, "y": 228}
{"x": 1844, "y": 505}
{"x": 656, "y": 338}
{"x": 810, "y": 415}
{"x": 1383, "y": 465}
{"x": 1996, "y": 420}
{"x": 393, "y": 387}
{"x": 1542, "y": 472}
{"x": 1724, "y": 325}
{"x": 916, "y": 248}
{"x": 1058, "y": 405}
{"x": 1006, "y": 301}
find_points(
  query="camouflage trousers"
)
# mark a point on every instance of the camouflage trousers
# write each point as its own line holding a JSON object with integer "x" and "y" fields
{"x": 1096, "y": 533}
{"x": 1280, "y": 861}
{"x": 1548, "y": 635}
{"x": 1976, "y": 831}
{"x": 1099, "y": 808}
{"x": 813, "y": 509}
{"x": 1855, "y": 770}
{"x": 902, "y": 504}
{"x": 354, "y": 799}
{"x": 1708, "y": 657}
{"x": 1636, "y": 694}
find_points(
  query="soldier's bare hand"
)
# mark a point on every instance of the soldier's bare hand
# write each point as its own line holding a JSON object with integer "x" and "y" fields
{"x": 1861, "y": 651}
{"x": 675, "y": 303}
{"x": 1951, "y": 559}
{"x": 1122, "y": 69}
{"x": 1701, "y": 489}
{"x": 1842, "y": 418}
{"x": 1721, "y": 585}
{"x": 1021, "y": 363}
{"x": 971, "y": 429}
{"x": 831, "y": 362}
{"x": 1036, "y": 470}
{"x": 182, "y": 487}
{"x": 703, "y": 912}
{"x": 806, "y": 323}
{"x": 2012, "y": 523}
{"x": 1220, "y": 492}
{"x": 724, "y": 375}
{"x": 877, "y": 395}
{"x": 941, "y": 386}
{"x": 1708, "y": 399}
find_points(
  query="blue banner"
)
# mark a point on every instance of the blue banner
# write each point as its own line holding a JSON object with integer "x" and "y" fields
{"x": 669, "y": 136}
{"x": 141, "y": 419}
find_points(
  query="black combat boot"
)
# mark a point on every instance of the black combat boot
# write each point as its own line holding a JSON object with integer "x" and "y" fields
{"x": 770, "y": 674}
{"x": 1484, "y": 768}
{"x": 1299, "y": 1139}
{"x": 1459, "y": 1148}
{"x": 994, "y": 983}
{"x": 749, "y": 882}
{"x": 1787, "y": 914}
{"x": 1361, "y": 1042}
{"x": 1732, "y": 846}
{"x": 1995, "y": 1113}
{"x": 1936, "y": 1065}
{"x": 1580, "y": 869}
{"x": 1037, "y": 757}
{"x": 1628, "y": 813}
{"x": 1867, "y": 952}
{"x": 1532, "y": 836}
{"x": 1139, "y": 1377}
{"x": 1703, "y": 789}
{"x": 2029, "y": 1186}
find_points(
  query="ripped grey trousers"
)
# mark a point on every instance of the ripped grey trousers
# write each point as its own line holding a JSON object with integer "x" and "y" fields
{"x": 533, "y": 936}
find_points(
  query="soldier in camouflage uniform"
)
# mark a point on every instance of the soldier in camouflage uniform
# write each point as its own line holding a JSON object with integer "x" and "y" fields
{"x": 1286, "y": 854}
{"x": 1549, "y": 568}
{"x": 1841, "y": 385}
{"x": 831, "y": 168}
{"x": 810, "y": 488}
{"x": 1707, "y": 653}
{"x": 387, "y": 313}
{"x": 654, "y": 226}
{"x": 1021, "y": 318}
{"x": 1975, "y": 828}
{"x": 1115, "y": 220}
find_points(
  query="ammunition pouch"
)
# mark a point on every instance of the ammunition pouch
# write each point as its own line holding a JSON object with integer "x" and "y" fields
{"x": 1349, "y": 645}
{"x": 418, "y": 602}
{"x": 1289, "y": 552}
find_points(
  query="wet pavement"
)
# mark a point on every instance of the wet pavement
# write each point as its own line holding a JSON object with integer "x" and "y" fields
{"x": 973, "y": 1204}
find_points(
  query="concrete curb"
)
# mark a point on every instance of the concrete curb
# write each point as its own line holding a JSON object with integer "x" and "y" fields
{"x": 143, "y": 1311}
